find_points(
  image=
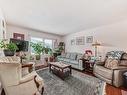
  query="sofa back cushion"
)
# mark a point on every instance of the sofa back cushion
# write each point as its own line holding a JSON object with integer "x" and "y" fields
{"x": 73, "y": 56}
{"x": 68, "y": 55}
{"x": 79, "y": 56}
{"x": 111, "y": 63}
{"x": 63, "y": 55}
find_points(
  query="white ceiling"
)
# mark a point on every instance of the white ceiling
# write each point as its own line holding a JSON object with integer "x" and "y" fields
{"x": 63, "y": 16}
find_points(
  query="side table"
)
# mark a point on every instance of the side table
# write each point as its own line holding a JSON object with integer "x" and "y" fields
{"x": 88, "y": 65}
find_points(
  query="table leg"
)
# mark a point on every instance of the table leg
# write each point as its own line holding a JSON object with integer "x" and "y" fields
{"x": 62, "y": 75}
{"x": 49, "y": 67}
{"x": 70, "y": 70}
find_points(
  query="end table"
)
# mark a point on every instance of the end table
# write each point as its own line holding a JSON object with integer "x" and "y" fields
{"x": 88, "y": 65}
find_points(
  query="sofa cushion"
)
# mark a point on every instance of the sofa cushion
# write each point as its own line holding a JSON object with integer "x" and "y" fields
{"x": 60, "y": 59}
{"x": 68, "y": 55}
{"x": 73, "y": 56}
{"x": 66, "y": 60}
{"x": 101, "y": 70}
{"x": 111, "y": 63}
{"x": 74, "y": 62}
{"x": 79, "y": 56}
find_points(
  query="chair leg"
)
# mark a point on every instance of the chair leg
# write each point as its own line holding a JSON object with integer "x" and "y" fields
{"x": 3, "y": 92}
{"x": 42, "y": 90}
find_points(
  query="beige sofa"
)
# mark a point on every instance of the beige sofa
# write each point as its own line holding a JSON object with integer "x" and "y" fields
{"x": 18, "y": 78}
{"x": 113, "y": 76}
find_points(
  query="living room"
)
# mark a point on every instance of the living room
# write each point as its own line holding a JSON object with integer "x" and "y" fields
{"x": 70, "y": 47}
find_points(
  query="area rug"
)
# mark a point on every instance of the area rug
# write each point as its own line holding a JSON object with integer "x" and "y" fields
{"x": 76, "y": 84}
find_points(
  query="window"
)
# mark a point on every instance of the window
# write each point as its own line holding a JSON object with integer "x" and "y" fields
{"x": 35, "y": 40}
{"x": 48, "y": 43}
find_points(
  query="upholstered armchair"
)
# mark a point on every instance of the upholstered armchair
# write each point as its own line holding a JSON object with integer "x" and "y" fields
{"x": 23, "y": 73}
{"x": 112, "y": 69}
{"x": 13, "y": 83}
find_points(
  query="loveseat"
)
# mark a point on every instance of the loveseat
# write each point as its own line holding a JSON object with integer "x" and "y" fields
{"x": 74, "y": 59}
{"x": 113, "y": 67}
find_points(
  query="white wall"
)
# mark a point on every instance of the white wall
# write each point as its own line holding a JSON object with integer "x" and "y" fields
{"x": 2, "y": 25}
{"x": 112, "y": 37}
{"x": 2, "y": 29}
{"x": 29, "y": 33}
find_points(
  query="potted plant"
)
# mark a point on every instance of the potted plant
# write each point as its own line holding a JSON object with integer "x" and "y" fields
{"x": 47, "y": 50}
{"x": 8, "y": 48}
{"x": 37, "y": 47}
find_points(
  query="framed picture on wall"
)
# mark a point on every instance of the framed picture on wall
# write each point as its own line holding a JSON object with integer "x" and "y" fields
{"x": 18, "y": 36}
{"x": 89, "y": 39}
{"x": 72, "y": 41}
{"x": 80, "y": 40}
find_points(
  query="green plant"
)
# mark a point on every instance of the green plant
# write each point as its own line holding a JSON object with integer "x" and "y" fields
{"x": 8, "y": 46}
{"x": 37, "y": 47}
{"x": 47, "y": 50}
{"x": 59, "y": 49}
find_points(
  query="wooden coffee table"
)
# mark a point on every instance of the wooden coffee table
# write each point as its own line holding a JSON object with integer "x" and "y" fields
{"x": 60, "y": 69}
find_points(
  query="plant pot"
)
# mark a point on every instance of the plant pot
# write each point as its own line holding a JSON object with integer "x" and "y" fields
{"x": 38, "y": 57}
{"x": 9, "y": 53}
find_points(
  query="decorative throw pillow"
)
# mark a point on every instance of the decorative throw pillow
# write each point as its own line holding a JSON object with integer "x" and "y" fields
{"x": 111, "y": 63}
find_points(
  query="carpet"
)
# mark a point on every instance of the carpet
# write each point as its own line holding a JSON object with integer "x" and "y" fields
{"x": 76, "y": 84}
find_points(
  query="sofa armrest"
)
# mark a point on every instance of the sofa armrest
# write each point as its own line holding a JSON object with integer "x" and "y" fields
{"x": 27, "y": 78}
{"x": 80, "y": 64}
{"x": 118, "y": 76}
{"x": 26, "y": 88}
{"x": 119, "y": 68}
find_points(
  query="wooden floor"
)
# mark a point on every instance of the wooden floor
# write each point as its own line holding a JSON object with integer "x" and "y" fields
{"x": 110, "y": 90}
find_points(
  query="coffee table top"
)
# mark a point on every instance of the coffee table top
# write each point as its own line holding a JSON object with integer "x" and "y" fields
{"x": 59, "y": 64}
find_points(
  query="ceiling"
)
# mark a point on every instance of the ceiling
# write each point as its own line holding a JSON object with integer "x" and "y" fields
{"x": 63, "y": 16}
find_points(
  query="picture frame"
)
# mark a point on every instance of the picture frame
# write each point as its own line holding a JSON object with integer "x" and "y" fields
{"x": 18, "y": 36}
{"x": 89, "y": 39}
{"x": 80, "y": 40}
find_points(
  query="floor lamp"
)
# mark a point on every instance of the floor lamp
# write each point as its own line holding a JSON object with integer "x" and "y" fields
{"x": 96, "y": 44}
